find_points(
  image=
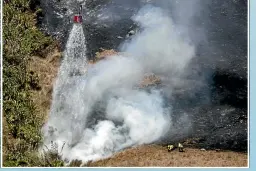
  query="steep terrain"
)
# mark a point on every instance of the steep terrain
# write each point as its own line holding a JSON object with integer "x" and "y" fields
{"x": 158, "y": 156}
{"x": 217, "y": 108}
{"x": 140, "y": 156}
{"x": 221, "y": 49}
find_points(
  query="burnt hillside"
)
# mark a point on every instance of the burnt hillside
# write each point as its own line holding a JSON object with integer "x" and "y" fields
{"x": 219, "y": 31}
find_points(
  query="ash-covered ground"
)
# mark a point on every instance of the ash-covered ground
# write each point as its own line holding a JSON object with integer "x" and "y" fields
{"x": 217, "y": 108}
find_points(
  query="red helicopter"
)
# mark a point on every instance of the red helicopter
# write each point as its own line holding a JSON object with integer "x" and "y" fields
{"x": 78, "y": 17}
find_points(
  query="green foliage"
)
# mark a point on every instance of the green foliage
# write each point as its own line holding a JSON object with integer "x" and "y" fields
{"x": 75, "y": 163}
{"x": 22, "y": 39}
{"x": 49, "y": 158}
{"x": 52, "y": 157}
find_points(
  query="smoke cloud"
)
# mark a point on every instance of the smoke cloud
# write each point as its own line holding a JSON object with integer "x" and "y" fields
{"x": 98, "y": 109}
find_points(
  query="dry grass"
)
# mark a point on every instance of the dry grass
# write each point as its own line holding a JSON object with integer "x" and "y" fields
{"x": 143, "y": 156}
{"x": 158, "y": 156}
{"x": 105, "y": 53}
{"x": 150, "y": 80}
{"x": 47, "y": 69}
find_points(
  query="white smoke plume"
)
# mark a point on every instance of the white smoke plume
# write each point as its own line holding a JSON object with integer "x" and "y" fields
{"x": 130, "y": 116}
{"x": 159, "y": 47}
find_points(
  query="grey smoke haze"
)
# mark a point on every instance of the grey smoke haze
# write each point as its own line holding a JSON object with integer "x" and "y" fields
{"x": 131, "y": 116}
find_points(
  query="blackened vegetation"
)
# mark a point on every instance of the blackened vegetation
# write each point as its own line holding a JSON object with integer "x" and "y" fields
{"x": 34, "y": 5}
{"x": 219, "y": 123}
{"x": 230, "y": 89}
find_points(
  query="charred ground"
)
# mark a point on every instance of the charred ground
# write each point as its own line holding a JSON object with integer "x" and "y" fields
{"x": 222, "y": 121}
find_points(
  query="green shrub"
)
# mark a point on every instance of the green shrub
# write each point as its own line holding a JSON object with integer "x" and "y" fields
{"x": 22, "y": 39}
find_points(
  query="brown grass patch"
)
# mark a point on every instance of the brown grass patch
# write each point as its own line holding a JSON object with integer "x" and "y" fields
{"x": 105, "y": 53}
{"x": 150, "y": 80}
{"x": 144, "y": 156}
{"x": 158, "y": 156}
{"x": 47, "y": 69}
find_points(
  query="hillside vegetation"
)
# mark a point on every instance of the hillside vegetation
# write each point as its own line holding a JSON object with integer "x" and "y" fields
{"x": 21, "y": 120}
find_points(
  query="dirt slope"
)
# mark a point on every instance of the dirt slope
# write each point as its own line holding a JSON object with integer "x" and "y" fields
{"x": 158, "y": 156}
{"x": 143, "y": 156}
